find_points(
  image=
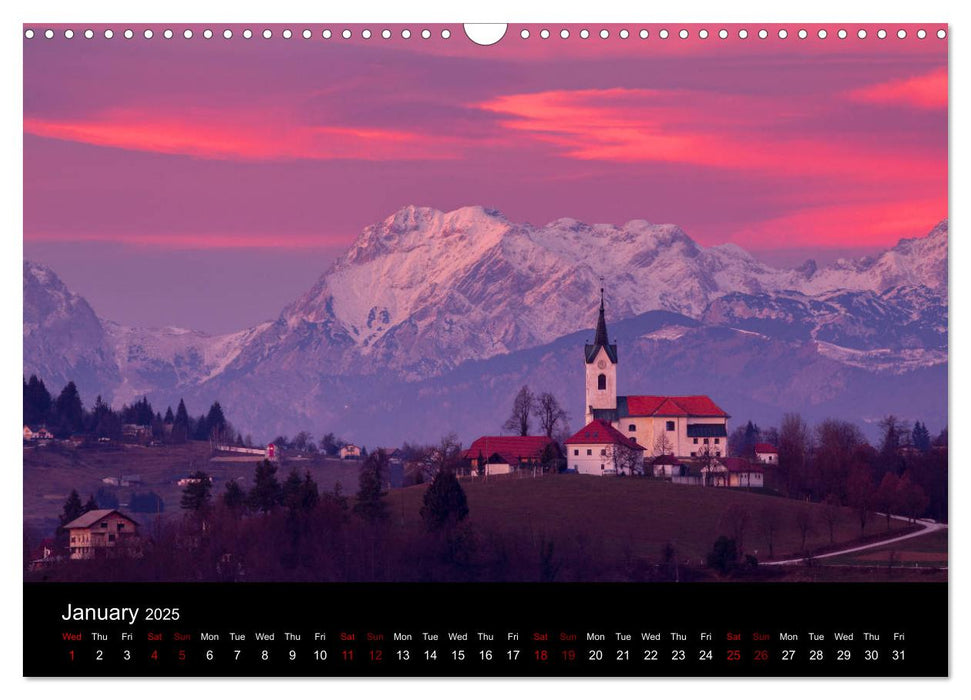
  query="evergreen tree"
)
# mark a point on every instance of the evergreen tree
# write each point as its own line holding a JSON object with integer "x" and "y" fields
{"x": 92, "y": 504}
{"x": 68, "y": 412}
{"x": 37, "y": 402}
{"x": 370, "y": 495}
{"x": 196, "y": 495}
{"x": 292, "y": 490}
{"x": 266, "y": 493}
{"x": 180, "y": 426}
{"x": 921, "y": 437}
{"x": 234, "y": 497}
{"x": 169, "y": 416}
{"x": 444, "y": 504}
{"x": 73, "y": 509}
{"x": 309, "y": 493}
{"x": 215, "y": 421}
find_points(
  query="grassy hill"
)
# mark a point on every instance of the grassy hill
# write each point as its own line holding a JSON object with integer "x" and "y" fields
{"x": 618, "y": 517}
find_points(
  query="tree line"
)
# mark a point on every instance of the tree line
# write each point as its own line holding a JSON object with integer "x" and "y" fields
{"x": 65, "y": 415}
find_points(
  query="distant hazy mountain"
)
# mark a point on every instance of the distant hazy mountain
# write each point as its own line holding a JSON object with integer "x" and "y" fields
{"x": 383, "y": 345}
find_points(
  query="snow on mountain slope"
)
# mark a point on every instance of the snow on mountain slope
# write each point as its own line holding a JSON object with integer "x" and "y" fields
{"x": 63, "y": 338}
{"x": 153, "y": 359}
{"x": 425, "y": 290}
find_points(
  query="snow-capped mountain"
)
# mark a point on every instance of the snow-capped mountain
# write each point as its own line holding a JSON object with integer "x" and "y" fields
{"x": 424, "y": 294}
{"x": 63, "y": 338}
{"x": 425, "y": 290}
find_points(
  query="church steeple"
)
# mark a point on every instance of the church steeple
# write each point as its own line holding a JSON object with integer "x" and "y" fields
{"x": 601, "y": 340}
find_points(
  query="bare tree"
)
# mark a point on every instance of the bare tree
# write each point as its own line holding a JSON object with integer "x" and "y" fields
{"x": 770, "y": 519}
{"x": 804, "y": 523}
{"x": 832, "y": 514}
{"x": 523, "y": 406}
{"x": 738, "y": 519}
{"x": 551, "y": 414}
{"x": 626, "y": 459}
{"x": 794, "y": 446}
{"x": 662, "y": 446}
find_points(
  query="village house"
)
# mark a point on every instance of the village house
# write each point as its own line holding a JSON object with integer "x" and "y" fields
{"x": 734, "y": 473}
{"x": 504, "y": 454}
{"x": 132, "y": 432}
{"x": 38, "y": 433}
{"x": 766, "y": 454}
{"x": 350, "y": 451}
{"x": 100, "y": 532}
{"x": 599, "y": 448}
{"x": 683, "y": 426}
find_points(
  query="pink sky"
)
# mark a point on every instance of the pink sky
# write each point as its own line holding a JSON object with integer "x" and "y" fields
{"x": 255, "y": 147}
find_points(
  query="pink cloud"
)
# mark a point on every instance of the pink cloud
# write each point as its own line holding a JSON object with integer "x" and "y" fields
{"x": 717, "y": 130}
{"x": 240, "y": 135}
{"x": 190, "y": 241}
{"x": 927, "y": 91}
{"x": 833, "y": 226}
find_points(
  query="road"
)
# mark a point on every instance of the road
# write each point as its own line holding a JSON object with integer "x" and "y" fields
{"x": 925, "y": 530}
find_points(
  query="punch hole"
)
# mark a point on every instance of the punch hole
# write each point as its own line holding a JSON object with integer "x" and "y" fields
{"x": 483, "y": 34}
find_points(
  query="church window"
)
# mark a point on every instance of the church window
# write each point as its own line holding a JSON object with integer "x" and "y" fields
{"x": 706, "y": 441}
{"x": 601, "y": 467}
{"x": 589, "y": 452}
{"x": 576, "y": 453}
{"x": 717, "y": 440}
{"x": 718, "y": 453}
{"x": 694, "y": 454}
{"x": 670, "y": 425}
{"x": 602, "y": 382}
{"x": 696, "y": 441}
{"x": 603, "y": 452}
{"x": 632, "y": 428}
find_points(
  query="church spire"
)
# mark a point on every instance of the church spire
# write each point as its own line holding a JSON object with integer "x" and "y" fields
{"x": 601, "y": 340}
{"x": 601, "y": 337}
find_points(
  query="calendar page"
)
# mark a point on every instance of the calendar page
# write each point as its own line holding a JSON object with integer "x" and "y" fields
{"x": 485, "y": 350}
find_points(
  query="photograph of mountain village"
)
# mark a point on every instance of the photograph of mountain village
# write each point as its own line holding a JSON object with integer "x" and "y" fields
{"x": 388, "y": 309}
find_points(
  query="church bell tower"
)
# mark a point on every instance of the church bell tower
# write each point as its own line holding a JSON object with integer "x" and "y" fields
{"x": 600, "y": 361}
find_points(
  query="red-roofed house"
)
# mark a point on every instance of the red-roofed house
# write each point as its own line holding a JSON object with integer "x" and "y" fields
{"x": 599, "y": 448}
{"x": 502, "y": 454}
{"x": 766, "y": 453}
{"x": 685, "y": 426}
{"x": 735, "y": 473}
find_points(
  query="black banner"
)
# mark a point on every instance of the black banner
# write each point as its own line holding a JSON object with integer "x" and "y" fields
{"x": 435, "y": 629}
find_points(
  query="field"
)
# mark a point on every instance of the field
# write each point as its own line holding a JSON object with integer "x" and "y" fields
{"x": 597, "y": 524}
{"x": 617, "y": 517}
{"x": 50, "y": 472}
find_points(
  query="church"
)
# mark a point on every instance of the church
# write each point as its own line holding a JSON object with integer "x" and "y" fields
{"x": 683, "y": 426}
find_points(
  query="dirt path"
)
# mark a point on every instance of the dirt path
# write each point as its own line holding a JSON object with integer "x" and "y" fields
{"x": 926, "y": 529}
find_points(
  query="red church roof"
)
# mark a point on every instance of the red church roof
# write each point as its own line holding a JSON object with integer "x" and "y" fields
{"x": 738, "y": 464}
{"x": 673, "y": 406}
{"x": 766, "y": 448}
{"x": 600, "y": 432}
{"x": 512, "y": 448}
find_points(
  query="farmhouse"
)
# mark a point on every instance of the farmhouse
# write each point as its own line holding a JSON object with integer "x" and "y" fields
{"x": 601, "y": 449}
{"x": 684, "y": 426}
{"x": 39, "y": 433}
{"x": 99, "y": 532}
{"x": 503, "y": 454}
{"x": 350, "y": 451}
{"x": 766, "y": 453}
{"x": 733, "y": 472}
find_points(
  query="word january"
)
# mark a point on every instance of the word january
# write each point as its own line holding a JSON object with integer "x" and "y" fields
{"x": 129, "y": 615}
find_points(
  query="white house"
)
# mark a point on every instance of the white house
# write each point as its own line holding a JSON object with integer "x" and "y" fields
{"x": 685, "y": 426}
{"x": 504, "y": 454}
{"x": 599, "y": 448}
{"x": 766, "y": 454}
{"x": 734, "y": 473}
